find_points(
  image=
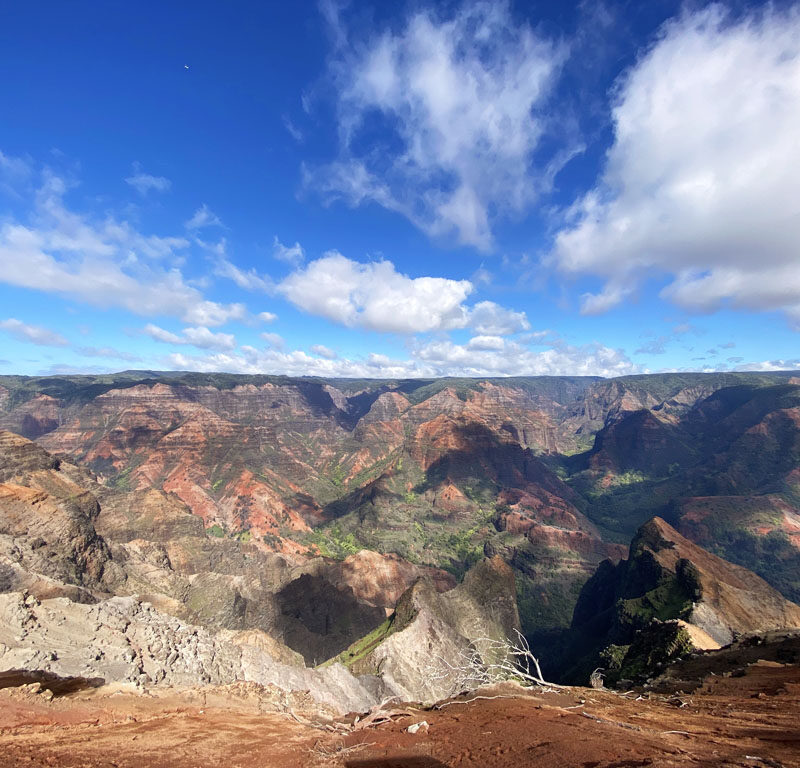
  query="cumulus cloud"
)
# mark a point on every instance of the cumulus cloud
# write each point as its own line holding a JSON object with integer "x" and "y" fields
{"x": 199, "y": 336}
{"x": 267, "y": 317}
{"x": 701, "y": 180}
{"x": 489, "y": 318}
{"x": 485, "y": 343}
{"x": 105, "y": 263}
{"x": 489, "y": 357}
{"x": 144, "y": 182}
{"x": 203, "y": 217}
{"x": 484, "y": 357}
{"x": 375, "y": 296}
{"x": 293, "y": 363}
{"x": 460, "y": 101}
{"x": 33, "y": 334}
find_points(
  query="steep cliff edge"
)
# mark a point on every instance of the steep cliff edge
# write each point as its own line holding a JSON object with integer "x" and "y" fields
{"x": 669, "y": 597}
{"x": 421, "y": 651}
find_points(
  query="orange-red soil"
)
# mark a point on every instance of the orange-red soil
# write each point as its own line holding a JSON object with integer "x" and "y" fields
{"x": 752, "y": 720}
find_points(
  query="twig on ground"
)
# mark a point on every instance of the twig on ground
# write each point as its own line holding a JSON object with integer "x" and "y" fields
{"x": 474, "y": 698}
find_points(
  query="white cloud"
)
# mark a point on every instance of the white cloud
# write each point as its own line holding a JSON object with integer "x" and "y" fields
{"x": 491, "y": 319}
{"x": 485, "y": 356}
{"x": 375, "y": 296}
{"x": 323, "y": 351}
{"x": 294, "y": 254}
{"x": 144, "y": 182}
{"x": 34, "y": 334}
{"x": 104, "y": 263}
{"x": 484, "y": 343}
{"x": 267, "y": 317}
{"x": 770, "y": 365}
{"x": 203, "y": 217}
{"x": 438, "y": 358}
{"x": 701, "y": 182}
{"x": 160, "y": 334}
{"x": 199, "y": 336}
{"x": 463, "y": 98}
{"x": 206, "y": 339}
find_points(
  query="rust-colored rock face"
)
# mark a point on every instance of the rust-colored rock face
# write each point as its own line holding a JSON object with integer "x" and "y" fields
{"x": 268, "y": 459}
{"x": 551, "y": 473}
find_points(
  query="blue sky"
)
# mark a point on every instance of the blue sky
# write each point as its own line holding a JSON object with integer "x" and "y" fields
{"x": 404, "y": 189}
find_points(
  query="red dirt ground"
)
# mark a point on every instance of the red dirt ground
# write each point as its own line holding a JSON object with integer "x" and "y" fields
{"x": 752, "y": 720}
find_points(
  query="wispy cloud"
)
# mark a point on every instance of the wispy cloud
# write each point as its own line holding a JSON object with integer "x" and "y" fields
{"x": 291, "y": 254}
{"x": 105, "y": 263}
{"x": 199, "y": 336}
{"x": 249, "y": 279}
{"x": 33, "y": 334}
{"x": 144, "y": 182}
{"x": 203, "y": 217}
{"x": 461, "y": 100}
{"x": 323, "y": 351}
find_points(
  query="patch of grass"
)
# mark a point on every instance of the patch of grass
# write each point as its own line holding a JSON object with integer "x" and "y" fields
{"x": 216, "y": 530}
{"x": 361, "y": 648}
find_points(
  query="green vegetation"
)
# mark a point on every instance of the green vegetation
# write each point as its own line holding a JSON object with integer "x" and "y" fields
{"x": 361, "y": 648}
{"x": 546, "y": 600}
{"x": 122, "y": 481}
{"x": 338, "y": 475}
{"x": 216, "y": 530}
{"x": 652, "y": 648}
{"x": 773, "y": 557}
{"x": 333, "y": 542}
{"x": 669, "y": 600}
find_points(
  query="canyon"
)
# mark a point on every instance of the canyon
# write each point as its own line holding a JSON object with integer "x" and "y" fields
{"x": 337, "y": 544}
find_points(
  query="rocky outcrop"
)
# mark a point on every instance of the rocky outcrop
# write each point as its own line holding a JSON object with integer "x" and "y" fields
{"x": 667, "y": 578}
{"x": 48, "y": 542}
{"x": 126, "y": 641}
{"x": 427, "y": 640}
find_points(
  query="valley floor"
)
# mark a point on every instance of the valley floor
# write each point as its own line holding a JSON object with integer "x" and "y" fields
{"x": 750, "y": 720}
